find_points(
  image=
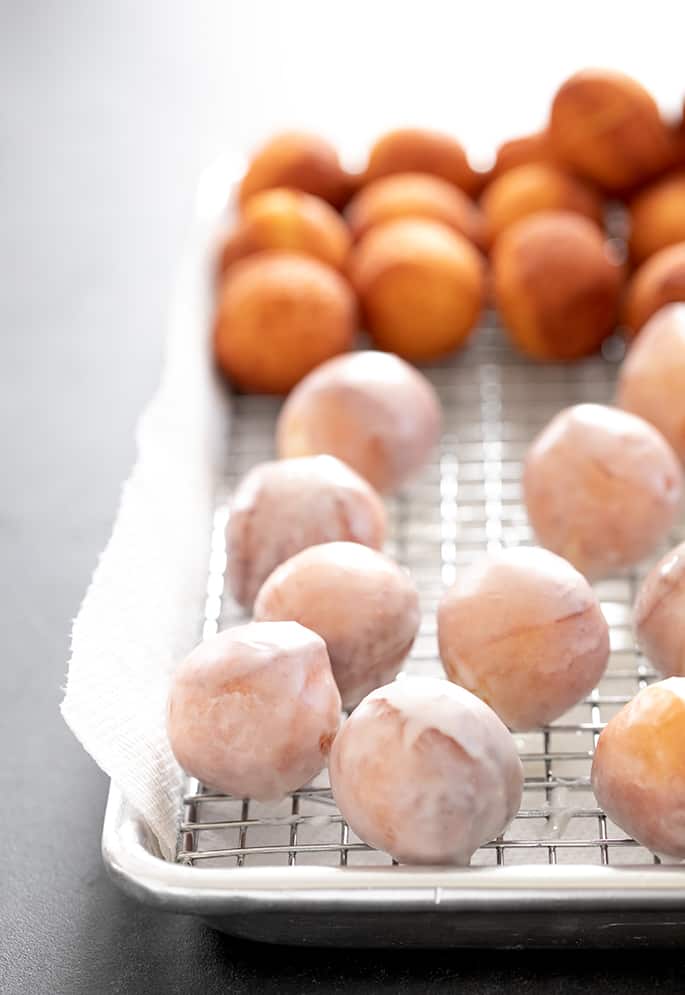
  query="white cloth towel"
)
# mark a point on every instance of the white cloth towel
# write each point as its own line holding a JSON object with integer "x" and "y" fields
{"x": 142, "y": 611}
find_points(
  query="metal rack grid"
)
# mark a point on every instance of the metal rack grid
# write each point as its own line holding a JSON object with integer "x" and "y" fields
{"x": 467, "y": 501}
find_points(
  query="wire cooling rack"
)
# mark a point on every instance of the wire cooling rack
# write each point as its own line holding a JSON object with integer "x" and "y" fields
{"x": 466, "y": 502}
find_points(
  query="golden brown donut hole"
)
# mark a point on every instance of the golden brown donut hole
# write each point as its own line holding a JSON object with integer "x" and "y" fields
{"x": 279, "y": 315}
{"x": 659, "y": 281}
{"x": 421, "y": 287}
{"x": 291, "y": 221}
{"x": 606, "y": 127}
{"x": 556, "y": 285}
{"x": 415, "y": 195}
{"x": 535, "y": 187}
{"x": 657, "y": 217}
{"x": 300, "y": 160}
{"x": 420, "y": 150}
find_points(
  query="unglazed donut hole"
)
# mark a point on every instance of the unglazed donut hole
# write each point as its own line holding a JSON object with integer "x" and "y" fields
{"x": 371, "y": 410}
{"x": 291, "y": 221}
{"x": 280, "y": 508}
{"x": 418, "y": 150}
{"x": 415, "y": 195}
{"x": 659, "y": 281}
{"x": 523, "y": 630}
{"x": 279, "y": 315}
{"x": 359, "y": 601}
{"x": 425, "y": 771}
{"x": 520, "y": 151}
{"x": 532, "y": 188}
{"x": 556, "y": 285}
{"x": 637, "y": 773}
{"x": 421, "y": 287}
{"x": 299, "y": 160}
{"x": 657, "y": 217}
{"x": 234, "y": 686}
{"x": 659, "y": 614}
{"x": 651, "y": 380}
{"x": 607, "y": 128}
{"x": 602, "y": 488}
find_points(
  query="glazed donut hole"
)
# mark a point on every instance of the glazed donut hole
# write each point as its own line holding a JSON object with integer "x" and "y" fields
{"x": 279, "y": 315}
{"x": 659, "y": 614}
{"x": 289, "y": 220}
{"x": 426, "y": 772}
{"x": 273, "y": 675}
{"x": 651, "y": 381}
{"x": 602, "y": 488}
{"x": 364, "y": 606}
{"x": 281, "y": 507}
{"x": 370, "y": 409}
{"x": 523, "y": 630}
{"x": 637, "y": 770}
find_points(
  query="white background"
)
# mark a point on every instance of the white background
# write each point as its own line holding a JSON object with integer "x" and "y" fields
{"x": 484, "y": 71}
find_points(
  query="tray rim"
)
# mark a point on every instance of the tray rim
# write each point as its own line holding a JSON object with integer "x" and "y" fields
{"x": 132, "y": 861}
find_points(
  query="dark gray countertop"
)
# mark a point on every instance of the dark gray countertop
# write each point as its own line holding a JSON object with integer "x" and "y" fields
{"x": 99, "y": 149}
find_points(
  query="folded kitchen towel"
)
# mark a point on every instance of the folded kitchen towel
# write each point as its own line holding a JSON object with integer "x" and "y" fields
{"x": 142, "y": 611}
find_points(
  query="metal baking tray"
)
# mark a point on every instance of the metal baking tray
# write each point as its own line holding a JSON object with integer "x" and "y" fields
{"x": 561, "y": 874}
